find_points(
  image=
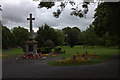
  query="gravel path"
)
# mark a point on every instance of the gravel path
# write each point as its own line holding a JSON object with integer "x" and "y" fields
{"x": 39, "y": 69}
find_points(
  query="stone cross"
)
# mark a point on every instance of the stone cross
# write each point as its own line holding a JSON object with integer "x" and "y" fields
{"x": 31, "y": 32}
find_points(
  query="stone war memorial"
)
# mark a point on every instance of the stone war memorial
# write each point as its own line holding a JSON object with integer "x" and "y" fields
{"x": 31, "y": 44}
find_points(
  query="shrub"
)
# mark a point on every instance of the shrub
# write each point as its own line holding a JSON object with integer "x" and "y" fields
{"x": 44, "y": 50}
{"x": 48, "y": 49}
{"x": 49, "y": 43}
{"x": 57, "y": 50}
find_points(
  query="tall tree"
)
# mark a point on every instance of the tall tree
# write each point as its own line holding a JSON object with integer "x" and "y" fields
{"x": 45, "y": 33}
{"x": 107, "y": 19}
{"x": 60, "y": 37}
{"x": 90, "y": 37}
{"x": 21, "y": 35}
{"x": 72, "y": 35}
{"x": 7, "y": 38}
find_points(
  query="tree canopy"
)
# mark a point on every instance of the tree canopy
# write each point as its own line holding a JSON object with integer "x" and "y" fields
{"x": 90, "y": 37}
{"x": 107, "y": 19}
{"x": 74, "y": 10}
{"x": 20, "y": 36}
{"x": 106, "y": 25}
{"x": 7, "y": 38}
{"x": 45, "y": 33}
{"x": 72, "y": 35}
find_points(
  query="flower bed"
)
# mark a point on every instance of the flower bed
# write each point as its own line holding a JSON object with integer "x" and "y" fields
{"x": 79, "y": 58}
{"x": 3, "y": 56}
{"x": 54, "y": 55}
{"x": 45, "y": 54}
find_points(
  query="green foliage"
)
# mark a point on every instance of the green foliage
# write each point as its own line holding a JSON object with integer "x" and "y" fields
{"x": 7, "y": 38}
{"x": 14, "y": 38}
{"x": 72, "y": 35}
{"x": 102, "y": 51}
{"x": 109, "y": 40}
{"x": 44, "y": 50}
{"x": 60, "y": 37}
{"x": 57, "y": 50}
{"x": 47, "y": 33}
{"x": 107, "y": 20}
{"x": 90, "y": 37}
{"x": 74, "y": 11}
{"x": 14, "y": 51}
{"x": 104, "y": 54}
{"x": 21, "y": 35}
{"x": 46, "y": 4}
{"x": 49, "y": 43}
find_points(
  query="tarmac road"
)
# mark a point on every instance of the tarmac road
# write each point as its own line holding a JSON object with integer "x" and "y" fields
{"x": 39, "y": 69}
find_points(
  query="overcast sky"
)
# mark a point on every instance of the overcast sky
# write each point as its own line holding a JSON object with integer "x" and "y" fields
{"x": 16, "y": 12}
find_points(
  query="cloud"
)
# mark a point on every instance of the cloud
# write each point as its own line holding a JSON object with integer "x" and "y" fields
{"x": 16, "y": 13}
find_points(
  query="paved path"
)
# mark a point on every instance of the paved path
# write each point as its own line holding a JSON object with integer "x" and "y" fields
{"x": 39, "y": 69}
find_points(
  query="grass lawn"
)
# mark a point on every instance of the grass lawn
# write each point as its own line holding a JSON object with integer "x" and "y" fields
{"x": 15, "y": 51}
{"x": 103, "y": 52}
